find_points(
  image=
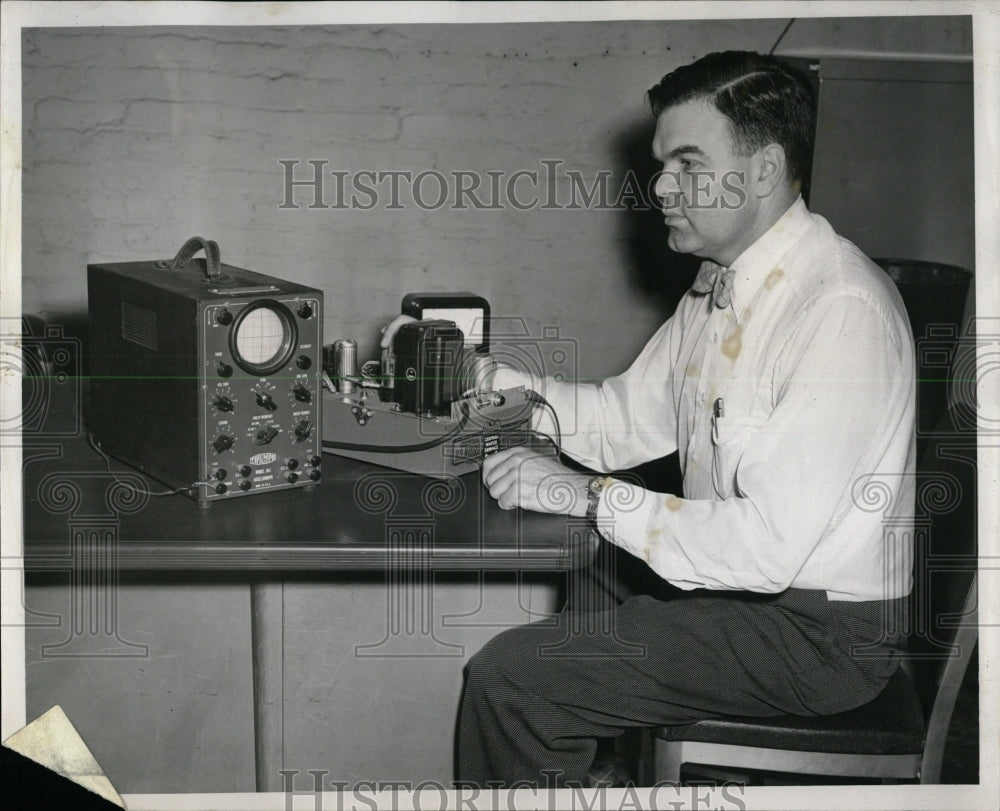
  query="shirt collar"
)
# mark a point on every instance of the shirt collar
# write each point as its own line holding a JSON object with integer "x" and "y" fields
{"x": 755, "y": 263}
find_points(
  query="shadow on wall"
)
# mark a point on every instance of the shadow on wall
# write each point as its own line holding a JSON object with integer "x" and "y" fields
{"x": 653, "y": 268}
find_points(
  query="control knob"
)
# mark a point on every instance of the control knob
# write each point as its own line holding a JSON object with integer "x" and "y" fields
{"x": 223, "y": 442}
{"x": 265, "y": 435}
{"x": 265, "y": 400}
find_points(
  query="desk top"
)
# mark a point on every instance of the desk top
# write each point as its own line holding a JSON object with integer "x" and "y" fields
{"x": 360, "y": 517}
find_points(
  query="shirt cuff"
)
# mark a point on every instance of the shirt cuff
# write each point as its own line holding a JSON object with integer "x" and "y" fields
{"x": 623, "y": 518}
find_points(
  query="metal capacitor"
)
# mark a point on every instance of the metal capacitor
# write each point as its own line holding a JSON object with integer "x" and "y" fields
{"x": 345, "y": 363}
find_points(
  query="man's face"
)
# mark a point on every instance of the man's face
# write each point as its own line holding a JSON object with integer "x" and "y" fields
{"x": 703, "y": 186}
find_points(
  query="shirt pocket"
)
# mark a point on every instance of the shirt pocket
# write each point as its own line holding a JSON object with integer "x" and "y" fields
{"x": 730, "y": 438}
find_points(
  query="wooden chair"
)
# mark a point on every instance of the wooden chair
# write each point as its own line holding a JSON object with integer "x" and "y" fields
{"x": 887, "y": 738}
{"x": 901, "y": 734}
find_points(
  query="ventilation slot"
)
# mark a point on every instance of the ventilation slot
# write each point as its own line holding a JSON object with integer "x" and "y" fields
{"x": 139, "y": 325}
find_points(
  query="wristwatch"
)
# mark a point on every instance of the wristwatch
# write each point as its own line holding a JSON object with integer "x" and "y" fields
{"x": 595, "y": 487}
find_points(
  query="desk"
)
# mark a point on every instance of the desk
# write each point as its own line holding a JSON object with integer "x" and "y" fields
{"x": 82, "y": 519}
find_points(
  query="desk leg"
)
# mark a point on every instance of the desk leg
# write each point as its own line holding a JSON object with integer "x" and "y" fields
{"x": 266, "y": 629}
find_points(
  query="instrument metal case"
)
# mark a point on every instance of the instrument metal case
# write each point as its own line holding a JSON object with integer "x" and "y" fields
{"x": 206, "y": 376}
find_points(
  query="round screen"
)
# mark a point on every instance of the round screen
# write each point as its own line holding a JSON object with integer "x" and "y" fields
{"x": 263, "y": 337}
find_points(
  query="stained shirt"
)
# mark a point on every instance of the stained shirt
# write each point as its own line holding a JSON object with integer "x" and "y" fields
{"x": 792, "y": 411}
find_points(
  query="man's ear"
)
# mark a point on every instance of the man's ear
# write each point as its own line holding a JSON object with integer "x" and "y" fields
{"x": 770, "y": 169}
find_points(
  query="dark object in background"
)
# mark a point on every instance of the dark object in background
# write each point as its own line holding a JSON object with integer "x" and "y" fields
{"x": 934, "y": 295}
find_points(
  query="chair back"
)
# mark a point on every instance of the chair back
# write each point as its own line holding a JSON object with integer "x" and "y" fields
{"x": 942, "y": 615}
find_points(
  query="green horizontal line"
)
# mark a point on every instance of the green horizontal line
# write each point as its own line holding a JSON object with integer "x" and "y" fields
{"x": 354, "y": 377}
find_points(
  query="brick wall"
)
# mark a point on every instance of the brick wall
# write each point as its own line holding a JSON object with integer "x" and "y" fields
{"x": 137, "y": 138}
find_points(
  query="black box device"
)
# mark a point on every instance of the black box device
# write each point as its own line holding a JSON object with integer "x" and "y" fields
{"x": 206, "y": 376}
{"x": 471, "y": 314}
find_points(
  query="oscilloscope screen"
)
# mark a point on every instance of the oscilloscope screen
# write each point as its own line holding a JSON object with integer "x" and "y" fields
{"x": 263, "y": 337}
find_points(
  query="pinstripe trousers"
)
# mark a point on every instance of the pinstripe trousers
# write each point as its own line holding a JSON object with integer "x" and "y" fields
{"x": 538, "y": 696}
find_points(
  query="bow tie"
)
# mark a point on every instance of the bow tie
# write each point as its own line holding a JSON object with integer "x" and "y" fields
{"x": 717, "y": 280}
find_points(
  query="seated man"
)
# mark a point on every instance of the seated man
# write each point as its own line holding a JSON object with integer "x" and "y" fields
{"x": 785, "y": 382}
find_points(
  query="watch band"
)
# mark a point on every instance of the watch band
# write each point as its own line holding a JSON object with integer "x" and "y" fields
{"x": 595, "y": 487}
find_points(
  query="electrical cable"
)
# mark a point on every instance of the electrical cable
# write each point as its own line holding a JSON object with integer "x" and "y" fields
{"x": 547, "y": 438}
{"x": 359, "y": 447}
{"x": 535, "y": 397}
{"x": 416, "y": 448}
{"x": 781, "y": 36}
{"x": 107, "y": 462}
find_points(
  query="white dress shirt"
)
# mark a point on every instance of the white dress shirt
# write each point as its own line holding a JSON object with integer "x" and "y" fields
{"x": 806, "y": 477}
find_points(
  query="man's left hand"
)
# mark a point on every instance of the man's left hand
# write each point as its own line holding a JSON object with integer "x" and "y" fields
{"x": 522, "y": 477}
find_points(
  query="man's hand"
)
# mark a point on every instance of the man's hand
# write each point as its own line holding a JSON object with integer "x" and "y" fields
{"x": 522, "y": 477}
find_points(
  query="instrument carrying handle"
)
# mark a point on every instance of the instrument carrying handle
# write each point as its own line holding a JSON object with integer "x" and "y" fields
{"x": 213, "y": 258}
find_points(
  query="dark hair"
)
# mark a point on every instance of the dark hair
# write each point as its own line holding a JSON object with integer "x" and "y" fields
{"x": 765, "y": 100}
